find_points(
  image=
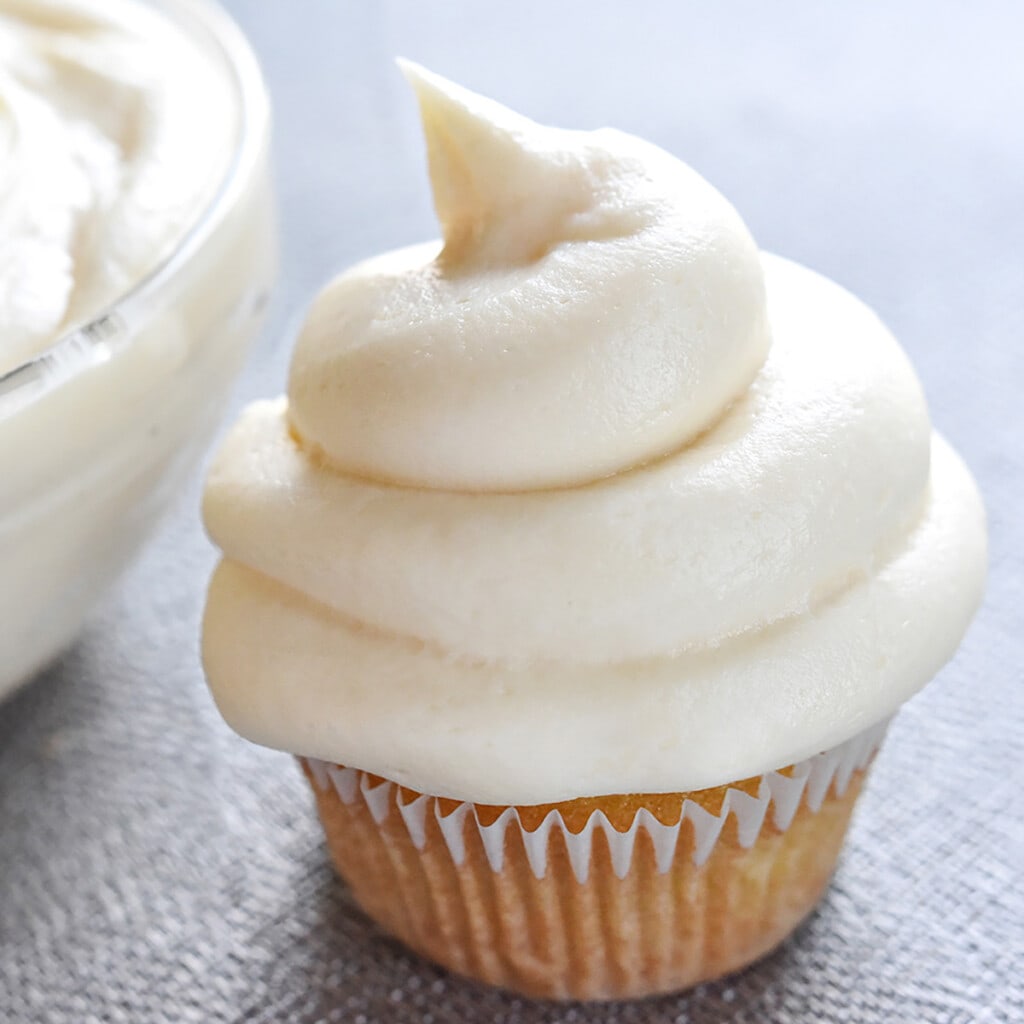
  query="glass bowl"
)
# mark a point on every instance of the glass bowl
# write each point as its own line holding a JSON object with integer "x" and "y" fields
{"x": 98, "y": 431}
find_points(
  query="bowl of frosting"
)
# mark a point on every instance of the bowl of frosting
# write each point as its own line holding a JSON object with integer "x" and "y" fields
{"x": 137, "y": 252}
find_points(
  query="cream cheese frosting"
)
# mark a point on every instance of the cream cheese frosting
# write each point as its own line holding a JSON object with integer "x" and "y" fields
{"x": 590, "y": 497}
{"x": 115, "y": 130}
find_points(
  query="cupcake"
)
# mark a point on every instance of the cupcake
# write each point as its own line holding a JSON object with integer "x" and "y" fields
{"x": 583, "y": 566}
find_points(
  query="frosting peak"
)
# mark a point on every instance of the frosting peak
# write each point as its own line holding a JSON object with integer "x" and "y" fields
{"x": 502, "y": 187}
{"x": 595, "y": 305}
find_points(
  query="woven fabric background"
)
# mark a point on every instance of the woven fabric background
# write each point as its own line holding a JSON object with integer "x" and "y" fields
{"x": 155, "y": 868}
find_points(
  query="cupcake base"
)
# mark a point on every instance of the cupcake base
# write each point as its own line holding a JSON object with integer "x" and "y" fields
{"x": 710, "y": 881}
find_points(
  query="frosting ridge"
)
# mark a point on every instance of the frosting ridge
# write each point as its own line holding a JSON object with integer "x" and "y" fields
{"x": 816, "y": 468}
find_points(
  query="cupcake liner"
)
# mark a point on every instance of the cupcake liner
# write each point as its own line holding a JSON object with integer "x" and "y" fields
{"x": 609, "y": 904}
{"x": 779, "y": 793}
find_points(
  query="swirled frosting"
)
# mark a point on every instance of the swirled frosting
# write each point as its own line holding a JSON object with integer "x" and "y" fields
{"x": 115, "y": 130}
{"x": 591, "y": 497}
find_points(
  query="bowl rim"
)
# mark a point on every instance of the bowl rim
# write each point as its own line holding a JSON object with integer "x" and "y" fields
{"x": 205, "y": 22}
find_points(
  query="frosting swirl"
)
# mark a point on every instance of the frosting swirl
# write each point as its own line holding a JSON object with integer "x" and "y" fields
{"x": 591, "y": 498}
{"x": 595, "y": 304}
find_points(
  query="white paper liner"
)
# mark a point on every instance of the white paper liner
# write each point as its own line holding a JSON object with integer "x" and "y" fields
{"x": 810, "y": 782}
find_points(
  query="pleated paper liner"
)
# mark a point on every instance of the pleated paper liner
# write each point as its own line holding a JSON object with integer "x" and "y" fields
{"x": 603, "y": 898}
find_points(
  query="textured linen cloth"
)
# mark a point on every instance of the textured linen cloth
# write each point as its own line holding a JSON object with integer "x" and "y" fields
{"x": 156, "y": 868}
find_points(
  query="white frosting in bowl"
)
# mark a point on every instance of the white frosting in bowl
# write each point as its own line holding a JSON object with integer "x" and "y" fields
{"x": 137, "y": 249}
{"x": 115, "y": 130}
{"x": 591, "y": 498}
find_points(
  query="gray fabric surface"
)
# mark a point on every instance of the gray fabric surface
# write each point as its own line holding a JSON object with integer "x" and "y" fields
{"x": 153, "y": 867}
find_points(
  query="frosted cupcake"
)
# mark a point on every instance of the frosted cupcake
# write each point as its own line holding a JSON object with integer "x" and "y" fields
{"x": 583, "y": 566}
